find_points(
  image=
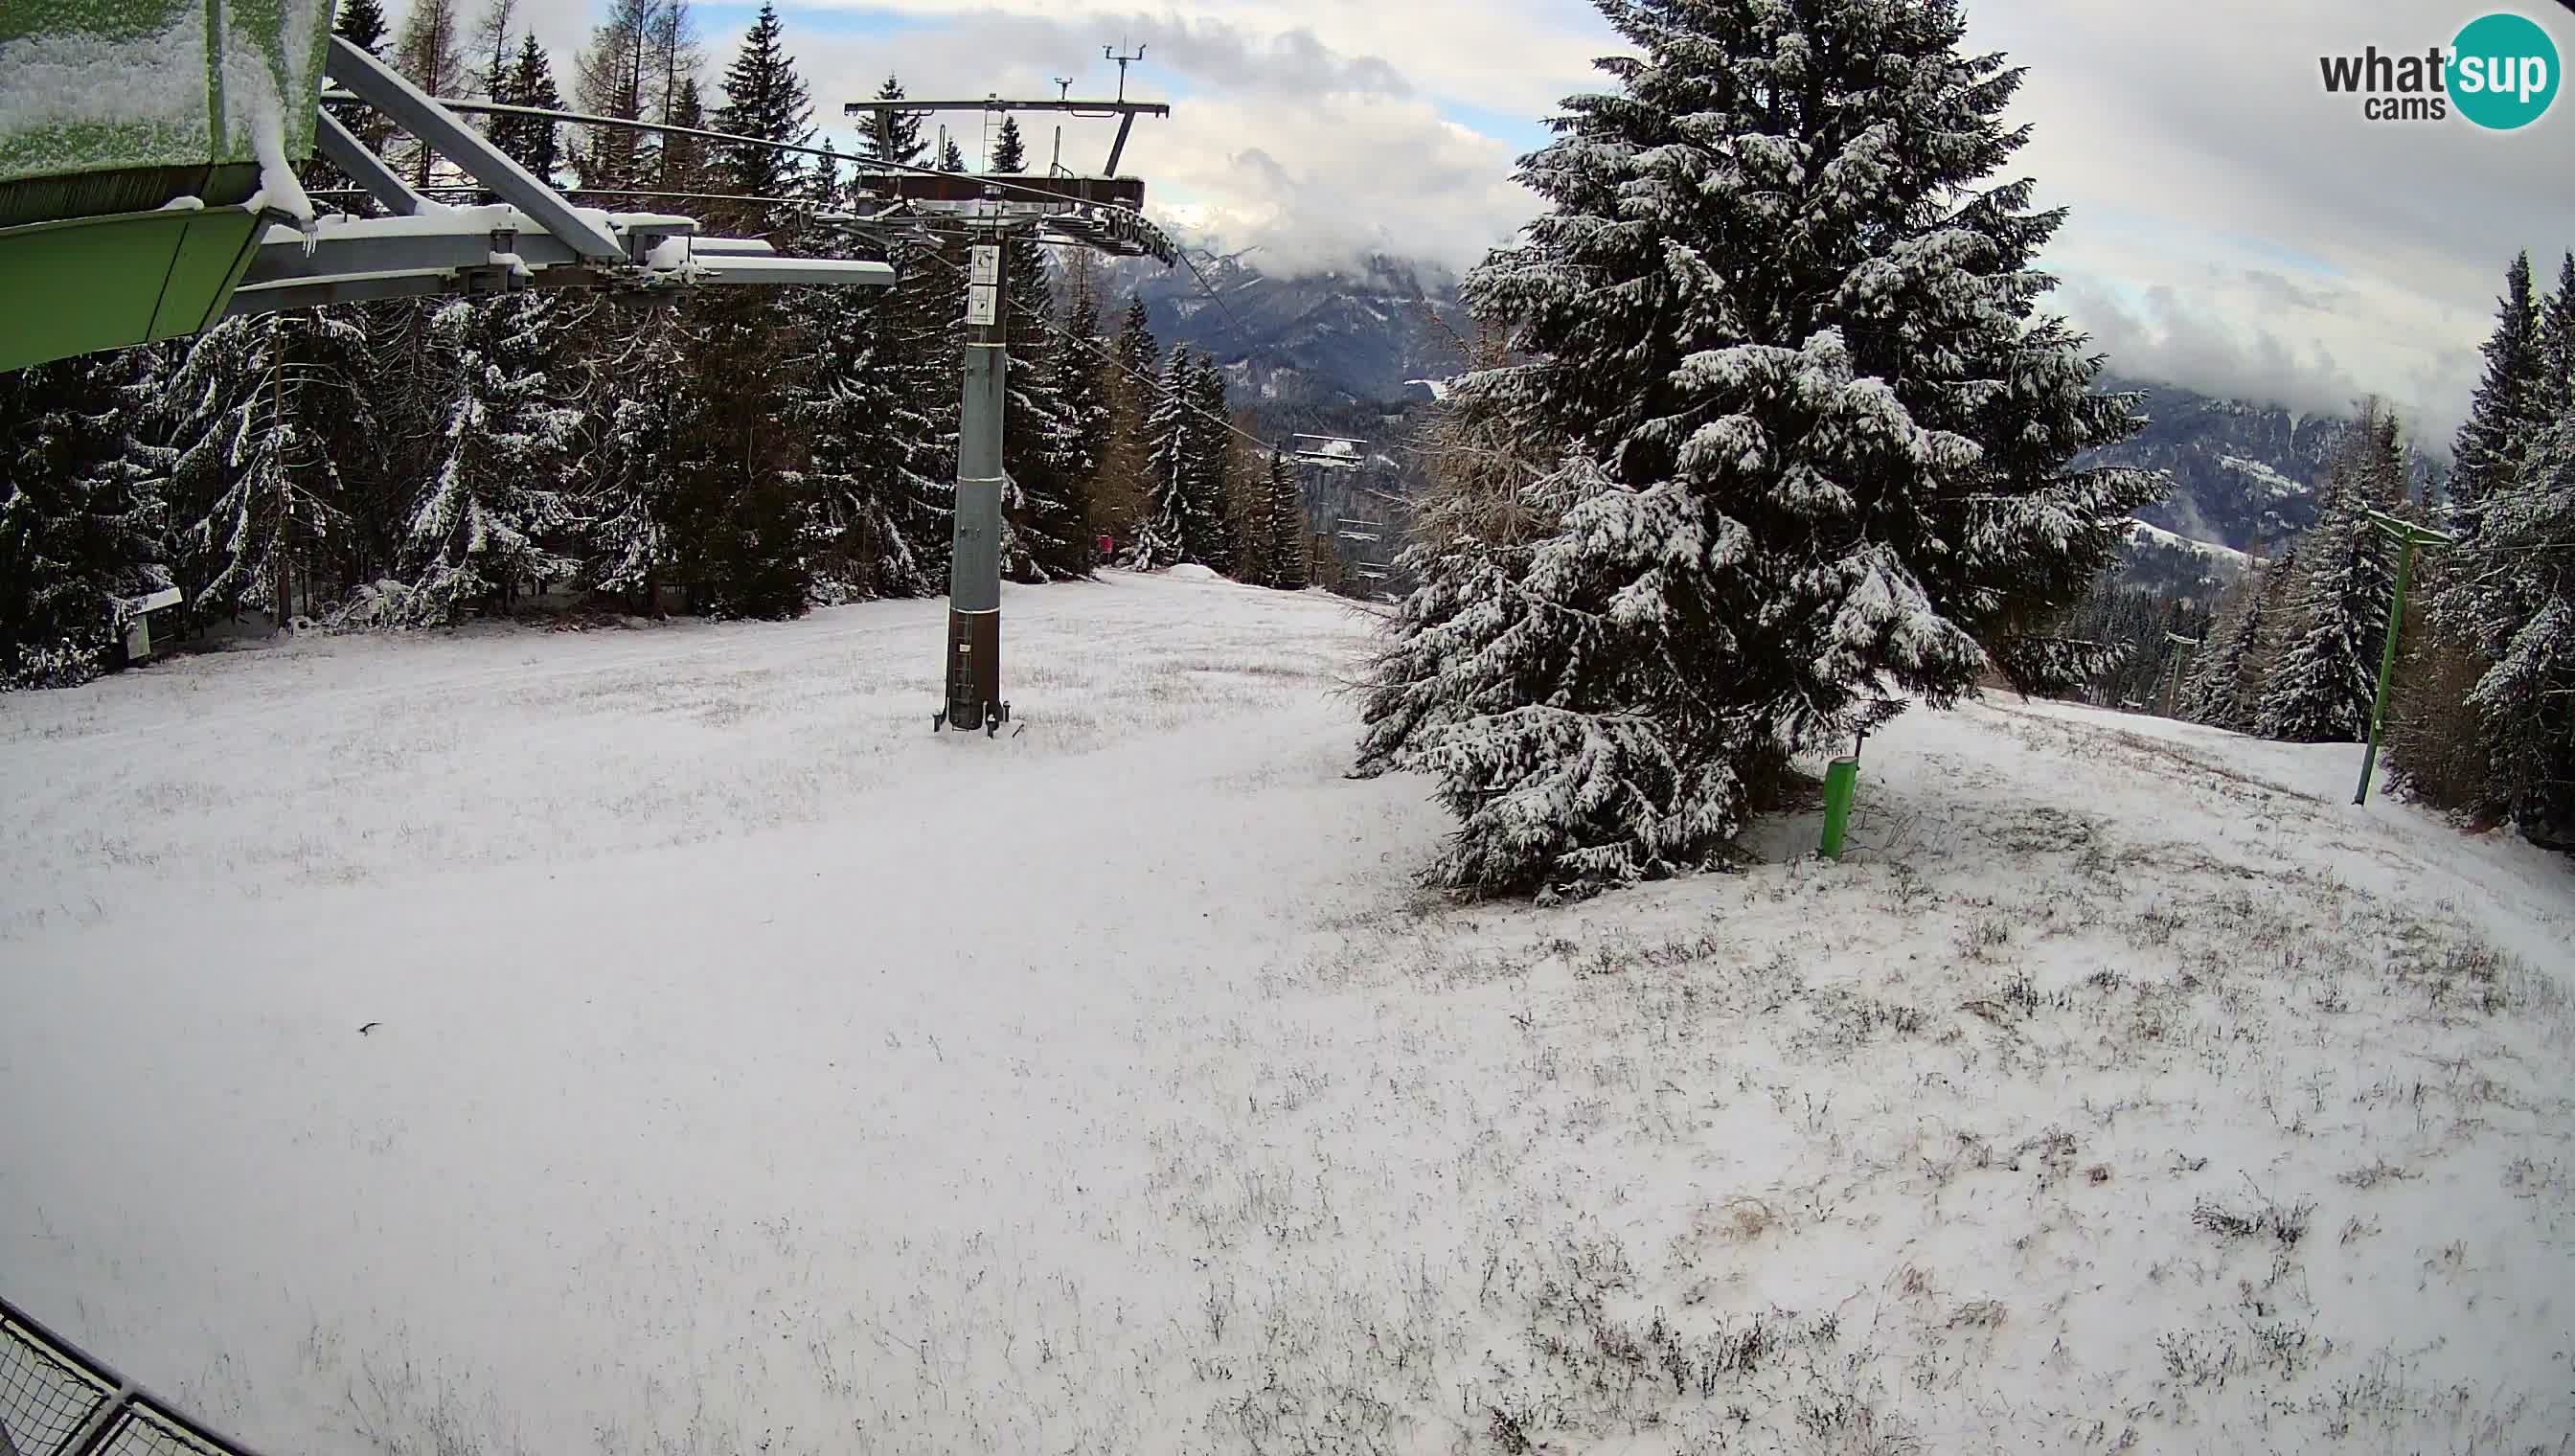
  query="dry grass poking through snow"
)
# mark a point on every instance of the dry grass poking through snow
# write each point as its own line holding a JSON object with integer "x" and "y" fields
{"x": 2125, "y": 1091}
{"x": 2039, "y": 1127}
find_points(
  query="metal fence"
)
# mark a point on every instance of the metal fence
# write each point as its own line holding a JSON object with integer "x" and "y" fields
{"x": 57, "y": 1401}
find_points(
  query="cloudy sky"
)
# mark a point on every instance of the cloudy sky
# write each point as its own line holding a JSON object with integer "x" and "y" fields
{"x": 2234, "y": 228}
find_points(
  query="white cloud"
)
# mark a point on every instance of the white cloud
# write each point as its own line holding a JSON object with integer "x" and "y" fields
{"x": 1311, "y": 154}
{"x": 2232, "y": 225}
{"x": 2238, "y": 229}
{"x": 1516, "y": 56}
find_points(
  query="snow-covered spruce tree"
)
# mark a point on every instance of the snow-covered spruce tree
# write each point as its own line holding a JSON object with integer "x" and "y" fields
{"x": 1211, "y": 473}
{"x": 1136, "y": 351}
{"x": 2502, "y": 415}
{"x": 400, "y": 386}
{"x": 252, "y": 485}
{"x": 2556, "y": 391}
{"x": 1247, "y": 501}
{"x": 2274, "y": 626}
{"x": 1288, "y": 534}
{"x": 2510, "y": 589}
{"x": 893, "y": 136}
{"x": 1050, "y": 505}
{"x": 493, "y": 518}
{"x": 915, "y": 337}
{"x": 1081, "y": 371}
{"x": 80, "y": 523}
{"x": 531, "y": 141}
{"x": 1120, "y": 494}
{"x": 640, "y": 411}
{"x": 739, "y": 533}
{"x": 1010, "y": 151}
{"x": 1530, "y": 717}
{"x": 923, "y": 324}
{"x": 333, "y": 370}
{"x": 2440, "y": 745}
{"x": 863, "y": 439}
{"x": 1170, "y": 519}
{"x": 2214, "y": 694}
{"x": 765, "y": 99}
{"x": 685, "y": 165}
{"x": 2483, "y": 712}
{"x": 2528, "y": 697}
{"x": 2321, "y": 689}
{"x": 1784, "y": 339}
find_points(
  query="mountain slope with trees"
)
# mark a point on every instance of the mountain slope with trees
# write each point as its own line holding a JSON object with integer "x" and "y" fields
{"x": 740, "y": 452}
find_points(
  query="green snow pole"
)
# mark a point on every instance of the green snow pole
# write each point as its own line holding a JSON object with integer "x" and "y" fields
{"x": 1839, "y": 781}
{"x": 2408, "y": 536}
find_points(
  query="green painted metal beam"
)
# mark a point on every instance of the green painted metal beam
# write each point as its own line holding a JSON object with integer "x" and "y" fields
{"x": 135, "y": 133}
{"x": 87, "y": 284}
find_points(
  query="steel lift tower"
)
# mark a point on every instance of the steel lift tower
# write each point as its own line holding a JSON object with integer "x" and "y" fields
{"x": 1102, "y": 212}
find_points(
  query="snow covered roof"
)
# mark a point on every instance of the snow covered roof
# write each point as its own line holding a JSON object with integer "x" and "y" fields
{"x": 152, "y": 601}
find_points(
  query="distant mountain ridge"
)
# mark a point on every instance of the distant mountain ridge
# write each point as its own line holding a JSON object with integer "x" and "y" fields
{"x": 2244, "y": 475}
{"x": 1346, "y": 344}
{"x": 1358, "y": 337}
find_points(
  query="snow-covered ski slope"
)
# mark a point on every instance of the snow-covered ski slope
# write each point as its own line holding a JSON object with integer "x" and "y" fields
{"x": 754, "y": 1072}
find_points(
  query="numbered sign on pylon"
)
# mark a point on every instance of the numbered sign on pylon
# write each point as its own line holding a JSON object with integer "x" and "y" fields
{"x": 988, "y": 264}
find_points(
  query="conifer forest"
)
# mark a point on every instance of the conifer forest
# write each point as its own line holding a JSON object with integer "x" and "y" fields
{"x": 736, "y": 453}
{"x": 1664, "y": 534}
{"x": 1639, "y": 727}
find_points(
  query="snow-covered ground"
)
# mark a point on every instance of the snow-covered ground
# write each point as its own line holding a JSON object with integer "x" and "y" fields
{"x": 753, "y": 1070}
{"x": 2145, "y": 534}
{"x": 2263, "y": 478}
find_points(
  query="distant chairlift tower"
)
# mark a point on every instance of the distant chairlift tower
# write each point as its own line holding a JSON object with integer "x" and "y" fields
{"x": 1370, "y": 541}
{"x": 1102, "y": 212}
{"x": 2182, "y": 647}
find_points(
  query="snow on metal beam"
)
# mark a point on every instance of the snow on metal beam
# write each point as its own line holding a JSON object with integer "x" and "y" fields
{"x": 151, "y": 600}
{"x": 845, "y": 272}
{"x": 465, "y": 237}
{"x": 494, "y": 247}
